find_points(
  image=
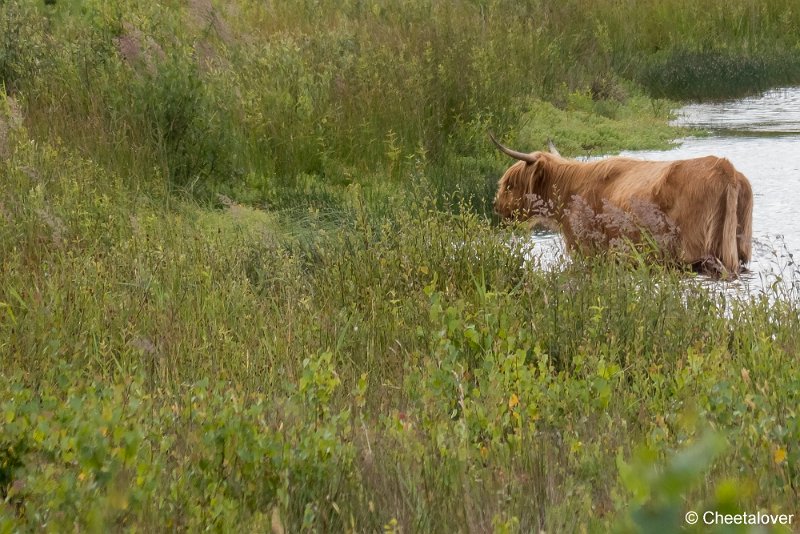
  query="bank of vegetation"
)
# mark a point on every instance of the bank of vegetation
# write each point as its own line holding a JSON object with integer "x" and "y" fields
{"x": 250, "y": 278}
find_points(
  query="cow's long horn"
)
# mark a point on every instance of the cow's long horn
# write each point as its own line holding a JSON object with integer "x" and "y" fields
{"x": 552, "y": 147}
{"x": 513, "y": 153}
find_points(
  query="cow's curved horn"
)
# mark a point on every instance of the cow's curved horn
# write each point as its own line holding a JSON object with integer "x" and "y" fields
{"x": 529, "y": 158}
{"x": 552, "y": 147}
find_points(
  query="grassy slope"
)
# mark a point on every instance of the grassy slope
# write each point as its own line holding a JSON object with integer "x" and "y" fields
{"x": 356, "y": 357}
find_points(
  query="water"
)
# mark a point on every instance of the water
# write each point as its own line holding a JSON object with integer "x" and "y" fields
{"x": 772, "y": 114}
{"x": 761, "y": 137}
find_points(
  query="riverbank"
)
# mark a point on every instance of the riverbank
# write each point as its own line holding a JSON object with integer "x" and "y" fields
{"x": 249, "y": 280}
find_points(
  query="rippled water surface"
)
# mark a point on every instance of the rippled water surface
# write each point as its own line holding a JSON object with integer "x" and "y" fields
{"x": 774, "y": 113}
{"x": 761, "y": 137}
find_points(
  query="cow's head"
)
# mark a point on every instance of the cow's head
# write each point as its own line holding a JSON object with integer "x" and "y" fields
{"x": 519, "y": 191}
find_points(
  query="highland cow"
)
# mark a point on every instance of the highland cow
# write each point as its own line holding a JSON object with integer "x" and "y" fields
{"x": 698, "y": 211}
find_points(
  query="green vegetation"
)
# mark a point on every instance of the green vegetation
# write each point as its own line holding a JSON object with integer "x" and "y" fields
{"x": 249, "y": 281}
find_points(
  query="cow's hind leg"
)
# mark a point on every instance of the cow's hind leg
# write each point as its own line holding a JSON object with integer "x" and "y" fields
{"x": 710, "y": 266}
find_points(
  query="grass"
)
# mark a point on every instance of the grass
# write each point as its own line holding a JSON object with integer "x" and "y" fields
{"x": 250, "y": 280}
{"x": 586, "y": 126}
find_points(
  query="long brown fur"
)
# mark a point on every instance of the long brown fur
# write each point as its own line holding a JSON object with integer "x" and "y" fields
{"x": 706, "y": 199}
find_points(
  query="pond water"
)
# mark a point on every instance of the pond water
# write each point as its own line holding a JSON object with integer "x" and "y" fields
{"x": 761, "y": 137}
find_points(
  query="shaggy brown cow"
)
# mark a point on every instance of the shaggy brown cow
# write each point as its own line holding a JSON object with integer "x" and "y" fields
{"x": 704, "y": 204}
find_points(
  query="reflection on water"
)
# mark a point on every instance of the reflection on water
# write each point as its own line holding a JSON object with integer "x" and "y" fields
{"x": 775, "y": 112}
{"x": 761, "y": 137}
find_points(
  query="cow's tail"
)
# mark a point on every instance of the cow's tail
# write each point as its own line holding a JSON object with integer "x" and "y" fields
{"x": 744, "y": 216}
{"x": 728, "y": 252}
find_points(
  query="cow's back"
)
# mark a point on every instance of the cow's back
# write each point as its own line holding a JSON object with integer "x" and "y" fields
{"x": 625, "y": 179}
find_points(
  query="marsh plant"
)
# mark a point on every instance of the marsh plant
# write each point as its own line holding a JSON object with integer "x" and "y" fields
{"x": 642, "y": 231}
